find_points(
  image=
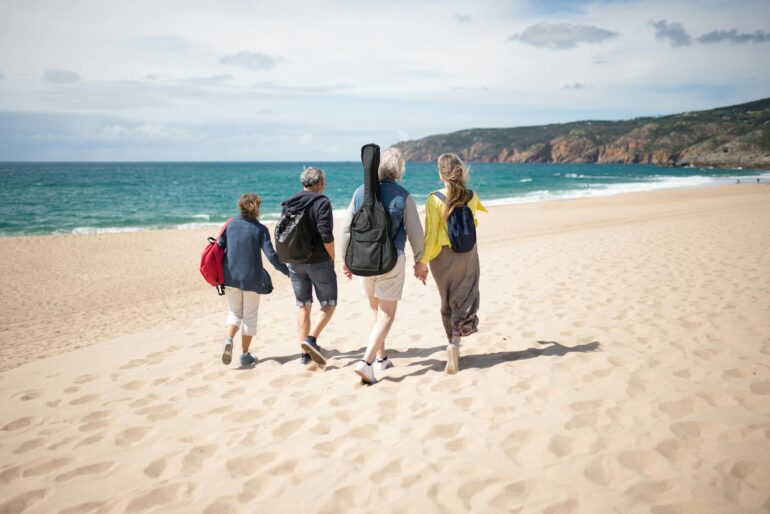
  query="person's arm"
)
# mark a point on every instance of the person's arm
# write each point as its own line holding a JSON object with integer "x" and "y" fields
{"x": 432, "y": 219}
{"x": 325, "y": 224}
{"x": 476, "y": 205}
{"x": 345, "y": 234}
{"x": 413, "y": 228}
{"x": 222, "y": 241}
{"x": 270, "y": 253}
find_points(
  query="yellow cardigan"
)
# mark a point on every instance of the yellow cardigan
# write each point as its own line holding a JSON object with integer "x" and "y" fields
{"x": 436, "y": 235}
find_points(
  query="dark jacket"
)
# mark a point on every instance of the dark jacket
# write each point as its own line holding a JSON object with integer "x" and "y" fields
{"x": 321, "y": 217}
{"x": 244, "y": 241}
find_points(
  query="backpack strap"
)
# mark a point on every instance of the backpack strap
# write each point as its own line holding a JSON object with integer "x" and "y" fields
{"x": 439, "y": 195}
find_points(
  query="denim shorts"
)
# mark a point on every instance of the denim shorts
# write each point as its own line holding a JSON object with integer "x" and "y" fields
{"x": 320, "y": 276}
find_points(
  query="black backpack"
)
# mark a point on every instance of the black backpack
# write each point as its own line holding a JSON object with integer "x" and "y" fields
{"x": 461, "y": 226}
{"x": 371, "y": 250}
{"x": 294, "y": 234}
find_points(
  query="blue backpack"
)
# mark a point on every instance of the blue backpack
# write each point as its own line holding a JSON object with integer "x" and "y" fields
{"x": 461, "y": 226}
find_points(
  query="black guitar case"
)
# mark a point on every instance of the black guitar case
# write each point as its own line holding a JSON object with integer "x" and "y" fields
{"x": 371, "y": 250}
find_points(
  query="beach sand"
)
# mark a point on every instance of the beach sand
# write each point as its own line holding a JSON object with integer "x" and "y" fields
{"x": 623, "y": 365}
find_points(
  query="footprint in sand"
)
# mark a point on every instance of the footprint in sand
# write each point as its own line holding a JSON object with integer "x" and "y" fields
{"x": 391, "y": 469}
{"x": 244, "y": 416}
{"x": 45, "y": 467}
{"x": 9, "y": 475}
{"x": 90, "y": 469}
{"x": 252, "y": 488}
{"x": 762, "y": 388}
{"x": 194, "y": 392}
{"x": 27, "y": 395}
{"x": 84, "y": 399}
{"x": 288, "y": 428}
{"x": 321, "y": 428}
{"x": 131, "y": 436}
{"x": 31, "y": 444}
{"x": 247, "y": 465}
{"x": 582, "y": 420}
{"x": 445, "y": 431}
{"x": 194, "y": 459}
{"x": 512, "y": 494}
{"x": 23, "y": 501}
{"x": 220, "y": 506}
{"x": 238, "y": 391}
{"x": 158, "y": 497}
{"x": 71, "y": 390}
{"x": 471, "y": 488}
{"x": 560, "y": 446}
{"x": 88, "y": 441}
{"x": 565, "y": 507}
{"x": 84, "y": 507}
{"x": 156, "y": 468}
{"x": 158, "y": 412}
{"x": 18, "y": 424}
{"x": 133, "y": 385}
{"x": 84, "y": 379}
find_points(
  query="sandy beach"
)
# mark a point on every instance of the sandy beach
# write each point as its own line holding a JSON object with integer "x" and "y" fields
{"x": 622, "y": 365}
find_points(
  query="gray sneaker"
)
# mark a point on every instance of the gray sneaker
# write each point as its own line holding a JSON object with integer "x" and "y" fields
{"x": 247, "y": 360}
{"x": 305, "y": 359}
{"x": 227, "y": 354}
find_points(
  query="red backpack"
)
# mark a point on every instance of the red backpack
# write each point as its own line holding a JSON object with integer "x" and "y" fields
{"x": 211, "y": 262}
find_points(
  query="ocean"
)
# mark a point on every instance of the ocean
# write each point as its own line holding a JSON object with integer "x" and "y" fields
{"x": 85, "y": 198}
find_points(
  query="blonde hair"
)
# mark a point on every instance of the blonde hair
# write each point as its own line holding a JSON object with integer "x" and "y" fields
{"x": 455, "y": 174}
{"x": 391, "y": 165}
{"x": 249, "y": 206}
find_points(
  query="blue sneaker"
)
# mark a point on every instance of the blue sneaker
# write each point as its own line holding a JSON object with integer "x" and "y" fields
{"x": 305, "y": 359}
{"x": 247, "y": 360}
{"x": 315, "y": 352}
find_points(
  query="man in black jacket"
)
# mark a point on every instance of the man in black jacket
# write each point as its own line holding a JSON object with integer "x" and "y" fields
{"x": 318, "y": 272}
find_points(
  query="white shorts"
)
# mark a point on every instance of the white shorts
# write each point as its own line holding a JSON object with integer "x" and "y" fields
{"x": 388, "y": 286}
{"x": 243, "y": 307}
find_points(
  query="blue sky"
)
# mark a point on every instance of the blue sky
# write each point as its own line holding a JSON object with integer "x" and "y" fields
{"x": 250, "y": 80}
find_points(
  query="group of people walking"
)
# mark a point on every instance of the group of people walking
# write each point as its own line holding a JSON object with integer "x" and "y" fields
{"x": 455, "y": 270}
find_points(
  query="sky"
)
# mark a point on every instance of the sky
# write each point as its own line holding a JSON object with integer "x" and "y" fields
{"x": 237, "y": 80}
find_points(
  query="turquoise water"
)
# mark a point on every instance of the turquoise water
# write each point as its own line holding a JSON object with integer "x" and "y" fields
{"x": 64, "y": 198}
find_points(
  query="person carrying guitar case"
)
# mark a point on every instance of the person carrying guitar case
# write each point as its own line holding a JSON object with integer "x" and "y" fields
{"x": 381, "y": 216}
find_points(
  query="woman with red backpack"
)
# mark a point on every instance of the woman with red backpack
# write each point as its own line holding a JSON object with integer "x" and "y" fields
{"x": 450, "y": 248}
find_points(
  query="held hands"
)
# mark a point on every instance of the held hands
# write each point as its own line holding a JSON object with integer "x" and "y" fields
{"x": 346, "y": 271}
{"x": 421, "y": 272}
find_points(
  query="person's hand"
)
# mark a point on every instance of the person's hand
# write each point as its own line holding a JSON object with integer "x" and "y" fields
{"x": 421, "y": 272}
{"x": 346, "y": 271}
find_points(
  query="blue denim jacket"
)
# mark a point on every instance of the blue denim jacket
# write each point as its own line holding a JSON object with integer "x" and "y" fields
{"x": 394, "y": 199}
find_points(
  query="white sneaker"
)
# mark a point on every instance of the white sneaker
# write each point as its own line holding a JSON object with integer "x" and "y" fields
{"x": 382, "y": 365}
{"x": 365, "y": 371}
{"x": 452, "y": 358}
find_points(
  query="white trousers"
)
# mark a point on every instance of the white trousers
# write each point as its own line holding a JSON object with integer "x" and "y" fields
{"x": 243, "y": 308}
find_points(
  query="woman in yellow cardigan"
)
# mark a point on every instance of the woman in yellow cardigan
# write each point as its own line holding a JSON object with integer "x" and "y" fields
{"x": 456, "y": 274}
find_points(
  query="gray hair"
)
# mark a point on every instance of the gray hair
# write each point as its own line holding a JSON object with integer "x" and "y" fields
{"x": 391, "y": 165}
{"x": 312, "y": 176}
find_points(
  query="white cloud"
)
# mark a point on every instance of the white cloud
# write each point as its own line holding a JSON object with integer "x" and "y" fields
{"x": 306, "y": 139}
{"x": 562, "y": 36}
{"x": 252, "y": 60}
{"x": 61, "y": 76}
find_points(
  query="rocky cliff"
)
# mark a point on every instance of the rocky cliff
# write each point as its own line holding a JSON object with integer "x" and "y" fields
{"x": 733, "y": 136}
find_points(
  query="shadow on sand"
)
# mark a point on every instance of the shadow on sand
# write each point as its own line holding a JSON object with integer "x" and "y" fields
{"x": 487, "y": 360}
